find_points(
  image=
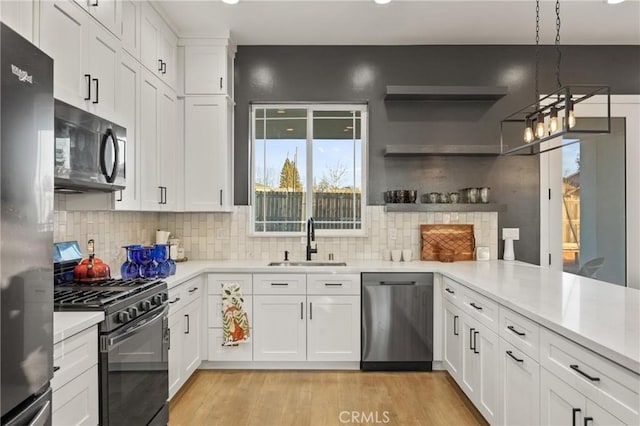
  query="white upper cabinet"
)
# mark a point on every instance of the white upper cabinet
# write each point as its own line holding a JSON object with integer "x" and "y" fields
{"x": 158, "y": 51}
{"x": 130, "y": 30}
{"x": 64, "y": 35}
{"x": 103, "y": 57}
{"x": 208, "y": 154}
{"x": 86, "y": 57}
{"x": 107, "y": 12}
{"x": 19, "y": 16}
{"x": 128, "y": 115}
{"x": 150, "y": 189}
{"x": 169, "y": 152}
{"x": 209, "y": 70}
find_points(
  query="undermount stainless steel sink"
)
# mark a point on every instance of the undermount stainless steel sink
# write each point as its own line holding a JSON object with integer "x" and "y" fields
{"x": 307, "y": 263}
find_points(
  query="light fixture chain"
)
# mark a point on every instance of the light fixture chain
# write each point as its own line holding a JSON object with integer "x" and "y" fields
{"x": 537, "y": 89}
{"x": 558, "y": 43}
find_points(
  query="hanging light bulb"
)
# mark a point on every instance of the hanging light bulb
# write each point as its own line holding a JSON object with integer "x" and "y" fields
{"x": 540, "y": 126}
{"x": 528, "y": 132}
{"x": 572, "y": 116}
{"x": 553, "y": 120}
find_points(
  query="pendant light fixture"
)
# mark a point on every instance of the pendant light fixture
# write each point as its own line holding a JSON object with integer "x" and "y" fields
{"x": 552, "y": 116}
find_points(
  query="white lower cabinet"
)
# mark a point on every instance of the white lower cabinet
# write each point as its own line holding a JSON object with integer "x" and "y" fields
{"x": 185, "y": 332}
{"x": 76, "y": 403}
{"x": 564, "y": 405}
{"x": 333, "y": 328}
{"x": 75, "y": 380}
{"x": 279, "y": 328}
{"x": 452, "y": 340}
{"x": 521, "y": 384}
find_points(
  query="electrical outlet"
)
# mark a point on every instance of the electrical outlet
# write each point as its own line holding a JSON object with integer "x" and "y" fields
{"x": 392, "y": 234}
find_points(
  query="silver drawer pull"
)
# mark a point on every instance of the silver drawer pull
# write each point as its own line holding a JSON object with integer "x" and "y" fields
{"x": 333, "y": 284}
{"x": 576, "y": 368}
{"x": 280, "y": 284}
{"x": 519, "y": 333}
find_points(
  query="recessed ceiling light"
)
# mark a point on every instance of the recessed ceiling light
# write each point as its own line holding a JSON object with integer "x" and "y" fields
{"x": 230, "y": 1}
{"x": 614, "y": 1}
{"x": 382, "y": 1}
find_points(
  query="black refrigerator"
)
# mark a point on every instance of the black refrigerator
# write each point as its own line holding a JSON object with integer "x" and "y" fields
{"x": 26, "y": 231}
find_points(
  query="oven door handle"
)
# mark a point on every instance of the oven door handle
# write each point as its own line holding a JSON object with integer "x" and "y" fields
{"x": 113, "y": 341}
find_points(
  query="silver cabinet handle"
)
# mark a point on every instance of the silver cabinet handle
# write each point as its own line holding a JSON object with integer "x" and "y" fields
{"x": 220, "y": 83}
{"x": 301, "y": 310}
{"x": 514, "y": 357}
{"x": 310, "y": 310}
{"x": 280, "y": 284}
{"x": 193, "y": 289}
{"x": 221, "y": 197}
{"x": 333, "y": 284}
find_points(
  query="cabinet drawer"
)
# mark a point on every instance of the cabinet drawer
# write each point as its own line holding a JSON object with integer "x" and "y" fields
{"x": 521, "y": 332}
{"x": 214, "y": 308}
{"x": 215, "y": 282}
{"x": 74, "y": 355}
{"x": 481, "y": 308}
{"x": 612, "y": 387}
{"x": 192, "y": 290}
{"x": 279, "y": 284}
{"x": 76, "y": 403}
{"x": 177, "y": 298}
{"x": 333, "y": 284}
{"x": 452, "y": 291}
{"x": 217, "y": 352}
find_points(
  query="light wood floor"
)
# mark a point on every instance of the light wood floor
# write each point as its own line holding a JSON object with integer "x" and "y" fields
{"x": 319, "y": 398}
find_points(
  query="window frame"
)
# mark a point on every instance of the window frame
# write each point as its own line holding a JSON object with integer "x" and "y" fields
{"x": 363, "y": 108}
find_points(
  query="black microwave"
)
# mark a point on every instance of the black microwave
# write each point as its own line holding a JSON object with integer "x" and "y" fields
{"x": 90, "y": 152}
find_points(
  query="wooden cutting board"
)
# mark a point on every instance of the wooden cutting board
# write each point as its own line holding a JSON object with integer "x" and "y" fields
{"x": 459, "y": 238}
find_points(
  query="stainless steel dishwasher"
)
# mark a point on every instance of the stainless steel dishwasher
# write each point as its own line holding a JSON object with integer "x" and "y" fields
{"x": 397, "y": 321}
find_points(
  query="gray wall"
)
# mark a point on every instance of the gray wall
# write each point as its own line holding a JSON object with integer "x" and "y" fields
{"x": 360, "y": 73}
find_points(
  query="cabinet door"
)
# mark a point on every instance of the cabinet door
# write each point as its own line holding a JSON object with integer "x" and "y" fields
{"x": 176, "y": 341}
{"x": 521, "y": 383}
{"x": 104, "y": 64}
{"x": 206, "y": 185}
{"x": 205, "y": 70}
{"x": 127, "y": 113}
{"x": 64, "y": 35}
{"x": 489, "y": 396}
{"x": 191, "y": 344}
{"x": 600, "y": 416}
{"x": 76, "y": 403}
{"x": 333, "y": 328}
{"x": 108, "y": 13}
{"x": 470, "y": 360}
{"x": 149, "y": 39}
{"x": 279, "y": 328}
{"x": 168, "y": 53}
{"x": 169, "y": 150}
{"x": 149, "y": 139}
{"x": 560, "y": 404}
{"x": 19, "y": 16}
{"x": 452, "y": 340}
{"x": 130, "y": 33}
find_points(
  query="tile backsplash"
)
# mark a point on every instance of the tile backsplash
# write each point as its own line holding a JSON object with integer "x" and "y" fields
{"x": 226, "y": 236}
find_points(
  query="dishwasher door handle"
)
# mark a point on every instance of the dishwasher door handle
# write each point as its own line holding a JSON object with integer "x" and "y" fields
{"x": 398, "y": 283}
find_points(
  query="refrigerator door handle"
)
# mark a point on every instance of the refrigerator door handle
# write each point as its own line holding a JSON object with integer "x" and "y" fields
{"x": 42, "y": 417}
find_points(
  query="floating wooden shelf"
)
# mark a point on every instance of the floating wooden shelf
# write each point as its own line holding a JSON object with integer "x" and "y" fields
{"x": 445, "y": 93}
{"x": 414, "y": 150}
{"x": 444, "y": 207}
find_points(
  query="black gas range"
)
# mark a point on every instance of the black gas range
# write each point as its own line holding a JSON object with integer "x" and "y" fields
{"x": 121, "y": 300}
{"x": 133, "y": 343}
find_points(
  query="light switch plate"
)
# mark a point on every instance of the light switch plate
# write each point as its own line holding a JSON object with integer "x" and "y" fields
{"x": 511, "y": 233}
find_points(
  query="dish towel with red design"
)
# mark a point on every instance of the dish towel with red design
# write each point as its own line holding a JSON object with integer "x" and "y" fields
{"x": 235, "y": 324}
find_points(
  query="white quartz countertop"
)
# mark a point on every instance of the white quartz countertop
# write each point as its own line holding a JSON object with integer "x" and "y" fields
{"x": 66, "y": 324}
{"x": 600, "y": 316}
